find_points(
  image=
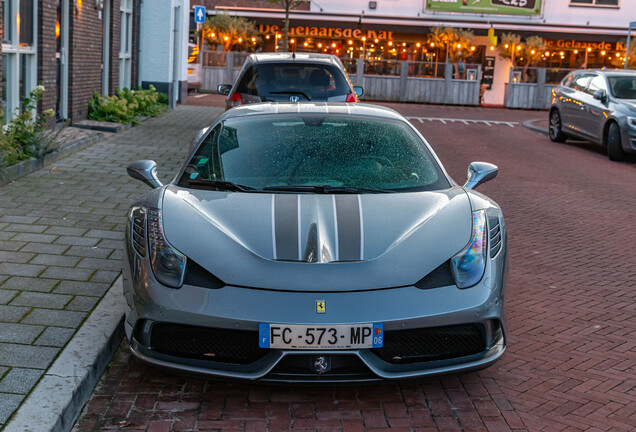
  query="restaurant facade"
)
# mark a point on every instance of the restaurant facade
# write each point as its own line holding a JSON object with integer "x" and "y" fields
{"x": 578, "y": 33}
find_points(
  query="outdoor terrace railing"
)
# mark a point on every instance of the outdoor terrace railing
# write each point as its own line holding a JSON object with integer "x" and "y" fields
{"x": 531, "y": 87}
{"x": 383, "y": 80}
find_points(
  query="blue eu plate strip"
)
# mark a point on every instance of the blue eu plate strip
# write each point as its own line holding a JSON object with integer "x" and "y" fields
{"x": 263, "y": 335}
{"x": 378, "y": 335}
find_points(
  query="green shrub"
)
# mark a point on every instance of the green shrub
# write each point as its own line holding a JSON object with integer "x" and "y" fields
{"x": 24, "y": 136}
{"x": 126, "y": 105}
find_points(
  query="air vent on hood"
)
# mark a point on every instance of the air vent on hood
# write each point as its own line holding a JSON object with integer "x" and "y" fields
{"x": 138, "y": 230}
{"x": 494, "y": 235}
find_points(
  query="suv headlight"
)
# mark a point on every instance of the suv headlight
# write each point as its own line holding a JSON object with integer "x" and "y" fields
{"x": 468, "y": 265}
{"x": 168, "y": 264}
{"x": 631, "y": 121}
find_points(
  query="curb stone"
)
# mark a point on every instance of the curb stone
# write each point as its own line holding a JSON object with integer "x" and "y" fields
{"x": 529, "y": 124}
{"x": 57, "y": 400}
{"x": 28, "y": 166}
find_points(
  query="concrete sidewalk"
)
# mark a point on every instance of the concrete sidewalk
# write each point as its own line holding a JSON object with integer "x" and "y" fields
{"x": 60, "y": 243}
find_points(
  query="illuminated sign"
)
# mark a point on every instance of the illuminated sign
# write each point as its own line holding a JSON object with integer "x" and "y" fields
{"x": 502, "y": 7}
{"x": 328, "y": 32}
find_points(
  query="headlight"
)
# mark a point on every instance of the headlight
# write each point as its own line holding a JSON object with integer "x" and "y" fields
{"x": 468, "y": 265}
{"x": 168, "y": 264}
{"x": 631, "y": 121}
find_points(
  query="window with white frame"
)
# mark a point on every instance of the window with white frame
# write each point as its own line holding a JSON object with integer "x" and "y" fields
{"x": 599, "y": 3}
{"x": 19, "y": 54}
{"x": 125, "y": 49}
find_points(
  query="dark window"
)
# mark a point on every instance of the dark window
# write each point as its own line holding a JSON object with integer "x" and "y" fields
{"x": 623, "y": 87}
{"x": 26, "y": 22}
{"x": 308, "y": 81}
{"x": 8, "y": 22}
{"x": 316, "y": 150}
{"x": 594, "y": 2}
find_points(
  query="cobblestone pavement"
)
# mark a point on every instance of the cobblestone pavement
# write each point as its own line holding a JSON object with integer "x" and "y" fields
{"x": 60, "y": 242}
{"x": 571, "y": 360}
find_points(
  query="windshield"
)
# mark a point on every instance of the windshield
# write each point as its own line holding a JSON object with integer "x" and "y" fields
{"x": 309, "y": 81}
{"x": 336, "y": 151}
{"x": 623, "y": 87}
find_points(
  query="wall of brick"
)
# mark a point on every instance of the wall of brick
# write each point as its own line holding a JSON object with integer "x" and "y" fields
{"x": 85, "y": 46}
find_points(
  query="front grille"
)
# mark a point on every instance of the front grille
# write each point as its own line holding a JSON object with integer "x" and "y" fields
{"x": 494, "y": 235}
{"x": 297, "y": 367}
{"x": 205, "y": 343}
{"x": 428, "y": 344}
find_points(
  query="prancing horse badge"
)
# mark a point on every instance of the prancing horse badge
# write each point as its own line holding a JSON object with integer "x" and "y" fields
{"x": 320, "y": 306}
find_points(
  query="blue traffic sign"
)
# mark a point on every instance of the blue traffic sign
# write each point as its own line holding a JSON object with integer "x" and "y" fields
{"x": 199, "y": 14}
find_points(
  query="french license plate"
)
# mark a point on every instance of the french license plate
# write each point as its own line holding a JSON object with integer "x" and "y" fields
{"x": 329, "y": 337}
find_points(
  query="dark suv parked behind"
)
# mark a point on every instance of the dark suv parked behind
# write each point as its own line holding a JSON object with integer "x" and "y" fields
{"x": 290, "y": 77}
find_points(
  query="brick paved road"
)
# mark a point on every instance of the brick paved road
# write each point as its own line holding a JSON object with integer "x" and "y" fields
{"x": 571, "y": 303}
{"x": 60, "y": 242}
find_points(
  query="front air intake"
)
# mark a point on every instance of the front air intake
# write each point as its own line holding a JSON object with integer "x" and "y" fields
{"x": 138, "y": 230}
{"x": 494, "y": 235}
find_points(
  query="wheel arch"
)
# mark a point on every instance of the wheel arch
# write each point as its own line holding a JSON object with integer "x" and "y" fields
{"x": 606, "y": 127}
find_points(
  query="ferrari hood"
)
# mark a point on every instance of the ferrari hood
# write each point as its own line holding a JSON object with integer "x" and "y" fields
{"x": 317, "y": 242}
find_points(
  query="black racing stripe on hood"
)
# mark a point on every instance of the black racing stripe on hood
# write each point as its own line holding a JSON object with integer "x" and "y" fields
{"x": 286, "y": 226}
{"x": 349, "y": 227}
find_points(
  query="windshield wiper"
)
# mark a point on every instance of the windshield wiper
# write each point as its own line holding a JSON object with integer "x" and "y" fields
{"x": 326, "y": 189}
{"x": 219, "y": 185}
{"x": 292, "y": 92}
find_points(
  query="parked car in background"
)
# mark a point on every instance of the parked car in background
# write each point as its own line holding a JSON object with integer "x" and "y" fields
{"x": 597, "y": 106}
{"x": 315, "y": 242}
{"x": 290, "y": 77}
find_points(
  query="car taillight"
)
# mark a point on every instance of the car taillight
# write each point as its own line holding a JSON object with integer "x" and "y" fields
{"x": 236, "y": 100}
{"x": 352, "y": 97}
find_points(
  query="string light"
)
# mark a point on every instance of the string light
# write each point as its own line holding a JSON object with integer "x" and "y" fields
{"x": 418, "y": 44}
{"x": 506, "y": 46}
{"x": 589, "y": 50}
{"x": 390, "y": 43}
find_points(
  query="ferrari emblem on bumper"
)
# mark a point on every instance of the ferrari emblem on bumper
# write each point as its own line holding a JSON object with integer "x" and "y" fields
{"x": 320, "y": 307}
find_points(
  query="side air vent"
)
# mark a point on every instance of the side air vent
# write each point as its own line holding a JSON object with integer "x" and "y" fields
{"x": 494, "y": 235}
{"x": 439, "y": 277}
{"x": 138, "y": 230}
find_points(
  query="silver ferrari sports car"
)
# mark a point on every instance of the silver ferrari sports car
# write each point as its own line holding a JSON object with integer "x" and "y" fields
{"x": 315, "y": 242}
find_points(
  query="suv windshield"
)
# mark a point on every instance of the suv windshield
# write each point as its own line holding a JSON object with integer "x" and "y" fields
{"x": 308, "y": 81}
{"x": 319, "y": 153}
{"x": 623, "y": 87}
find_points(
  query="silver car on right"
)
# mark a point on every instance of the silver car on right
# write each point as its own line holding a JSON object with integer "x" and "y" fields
{"x": 597, "y": 106}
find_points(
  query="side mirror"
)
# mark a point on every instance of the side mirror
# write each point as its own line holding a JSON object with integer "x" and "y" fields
{"x": 480, "y": 172}
{"x": 146, "y": 171}
{"x": 600, "y": 95}
{"x": 359, "y": 90}
{"x": 224, "y": 89}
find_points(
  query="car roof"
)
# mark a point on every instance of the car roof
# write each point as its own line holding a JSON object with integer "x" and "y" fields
{"x": 611, "y": 72}
{"x": 287, "y": 57}
{"x": 337, "y": 108}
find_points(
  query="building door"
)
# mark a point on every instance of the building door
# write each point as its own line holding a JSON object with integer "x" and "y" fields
{"x": 125, "y": 49}
{"x": 106, "y": 48}
{"x": 19, "y": 54}
{"x": 61, "y": 58}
